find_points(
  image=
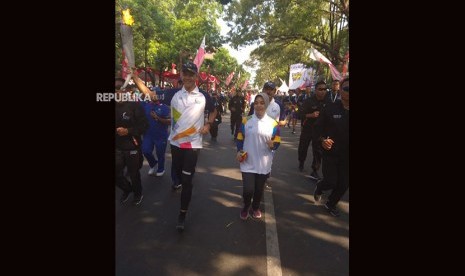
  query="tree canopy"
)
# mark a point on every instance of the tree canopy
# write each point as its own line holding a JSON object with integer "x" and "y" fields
{"x": 171, "y": 31}
{"x": 286, "y": 29}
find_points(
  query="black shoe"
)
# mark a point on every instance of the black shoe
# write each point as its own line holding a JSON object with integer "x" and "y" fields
{"x": 176, "y": 186}
{"x": 332, "y": 210}
{"x": 314, "y": 175}
{"x": 181, "y": 220}
{"x": 301, "y": 166}
{"x": 268, "y": 184}
{"x": 124, "y": 197}
{"x": 317, "y": 194}
{"x": 137, "y": 200}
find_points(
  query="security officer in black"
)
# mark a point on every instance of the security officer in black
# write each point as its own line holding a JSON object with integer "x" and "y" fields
{"x": 302, "y": 96}
{"x": 334, "y": 94}
{"x": 130, "y": 124}
{"x": 219, "y": 108}
{"x": 237, "y": 107}
{"x": 310, "y": 112}
{"x": 333, "y": 130}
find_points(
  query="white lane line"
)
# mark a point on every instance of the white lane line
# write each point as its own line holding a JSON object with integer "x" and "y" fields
{"x": 273, "y": 259}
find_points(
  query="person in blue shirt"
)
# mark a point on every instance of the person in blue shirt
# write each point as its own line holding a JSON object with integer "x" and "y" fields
{"x": 156, "y": 136}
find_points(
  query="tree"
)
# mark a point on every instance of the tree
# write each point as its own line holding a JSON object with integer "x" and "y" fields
{"x": 165, "y": 30}
{"x": 285, "y": 29}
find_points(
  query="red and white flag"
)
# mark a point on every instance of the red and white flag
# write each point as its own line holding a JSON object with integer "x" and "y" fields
{"x": 334, "y": 72}
{"x": 345, "y": 65}
{"x": 200, "y": 54}
{"x": 315, "y": 55}
{"x": 229, "y": 78}
{"x": 245, "y": 84}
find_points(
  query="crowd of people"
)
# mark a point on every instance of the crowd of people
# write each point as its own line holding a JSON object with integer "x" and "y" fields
{"x": 184, "y": 114}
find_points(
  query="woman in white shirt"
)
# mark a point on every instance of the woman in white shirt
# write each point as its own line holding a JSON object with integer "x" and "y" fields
{"x": 258, "y": 137}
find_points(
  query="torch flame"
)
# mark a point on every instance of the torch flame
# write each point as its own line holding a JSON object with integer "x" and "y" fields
{"x": 127, "y": 17}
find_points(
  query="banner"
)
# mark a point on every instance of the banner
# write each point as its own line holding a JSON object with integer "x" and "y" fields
{"x": 295, "y": 73}
{"x": 300, "y": 76}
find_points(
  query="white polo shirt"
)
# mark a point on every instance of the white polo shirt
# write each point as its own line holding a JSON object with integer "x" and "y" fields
{"x": 273, "y": 110}
{"x": 256, "y": 133}
{"x": 187, "y": 118}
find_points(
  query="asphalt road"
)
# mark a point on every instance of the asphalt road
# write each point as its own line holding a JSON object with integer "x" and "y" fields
{"x": 294, "y": 237}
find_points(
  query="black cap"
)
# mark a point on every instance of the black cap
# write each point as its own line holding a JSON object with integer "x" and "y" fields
{"x": 190, "y": 66}
{"x": 269, "y": 84}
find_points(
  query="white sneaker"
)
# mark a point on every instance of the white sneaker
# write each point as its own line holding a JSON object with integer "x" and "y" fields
{"x": 152, "y": 171}
{"x": 161, "y": 173}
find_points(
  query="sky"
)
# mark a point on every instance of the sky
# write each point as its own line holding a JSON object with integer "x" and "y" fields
{"x": 243, "y": 53}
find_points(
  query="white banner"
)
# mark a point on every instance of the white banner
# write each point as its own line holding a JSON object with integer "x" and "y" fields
{"x": 295, "y": 73}
{"x": 300, "y": 76}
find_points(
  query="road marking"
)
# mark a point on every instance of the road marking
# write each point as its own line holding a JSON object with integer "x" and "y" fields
{"x": 273, "y": 259}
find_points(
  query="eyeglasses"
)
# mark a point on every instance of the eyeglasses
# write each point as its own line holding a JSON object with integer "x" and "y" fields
{"x": 345, "y": 88}
{"x": 321, "y": 89}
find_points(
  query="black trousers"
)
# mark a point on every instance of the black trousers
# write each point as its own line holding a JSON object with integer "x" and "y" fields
{"x": 184, "y": 162}
{"x": 254, "y": 184}
{"x": 133, "y": 160}
{"x": 236, "y": 120}
{"x": 335, "y": 176}
{"x": 214, "y": 129}
{"x": 306, "y": 137}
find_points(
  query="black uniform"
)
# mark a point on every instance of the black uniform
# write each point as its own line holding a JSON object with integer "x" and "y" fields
{"x": 334, "y": 123}
{"x": 236, "y": 106}
{"x": 300, "y": 101}
{"x": 308, "y": 134}
{"x": 333, "y": 96}
{"x": 128, "y": 153}
{"x": 219, "y": 108}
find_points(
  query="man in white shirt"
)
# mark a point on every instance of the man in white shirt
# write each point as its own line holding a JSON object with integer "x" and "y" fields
{"x": 275, "y": 109}
{"x": 187, "y": 127}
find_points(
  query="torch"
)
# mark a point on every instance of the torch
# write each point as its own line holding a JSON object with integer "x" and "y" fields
{"x": 128, "y": 47}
